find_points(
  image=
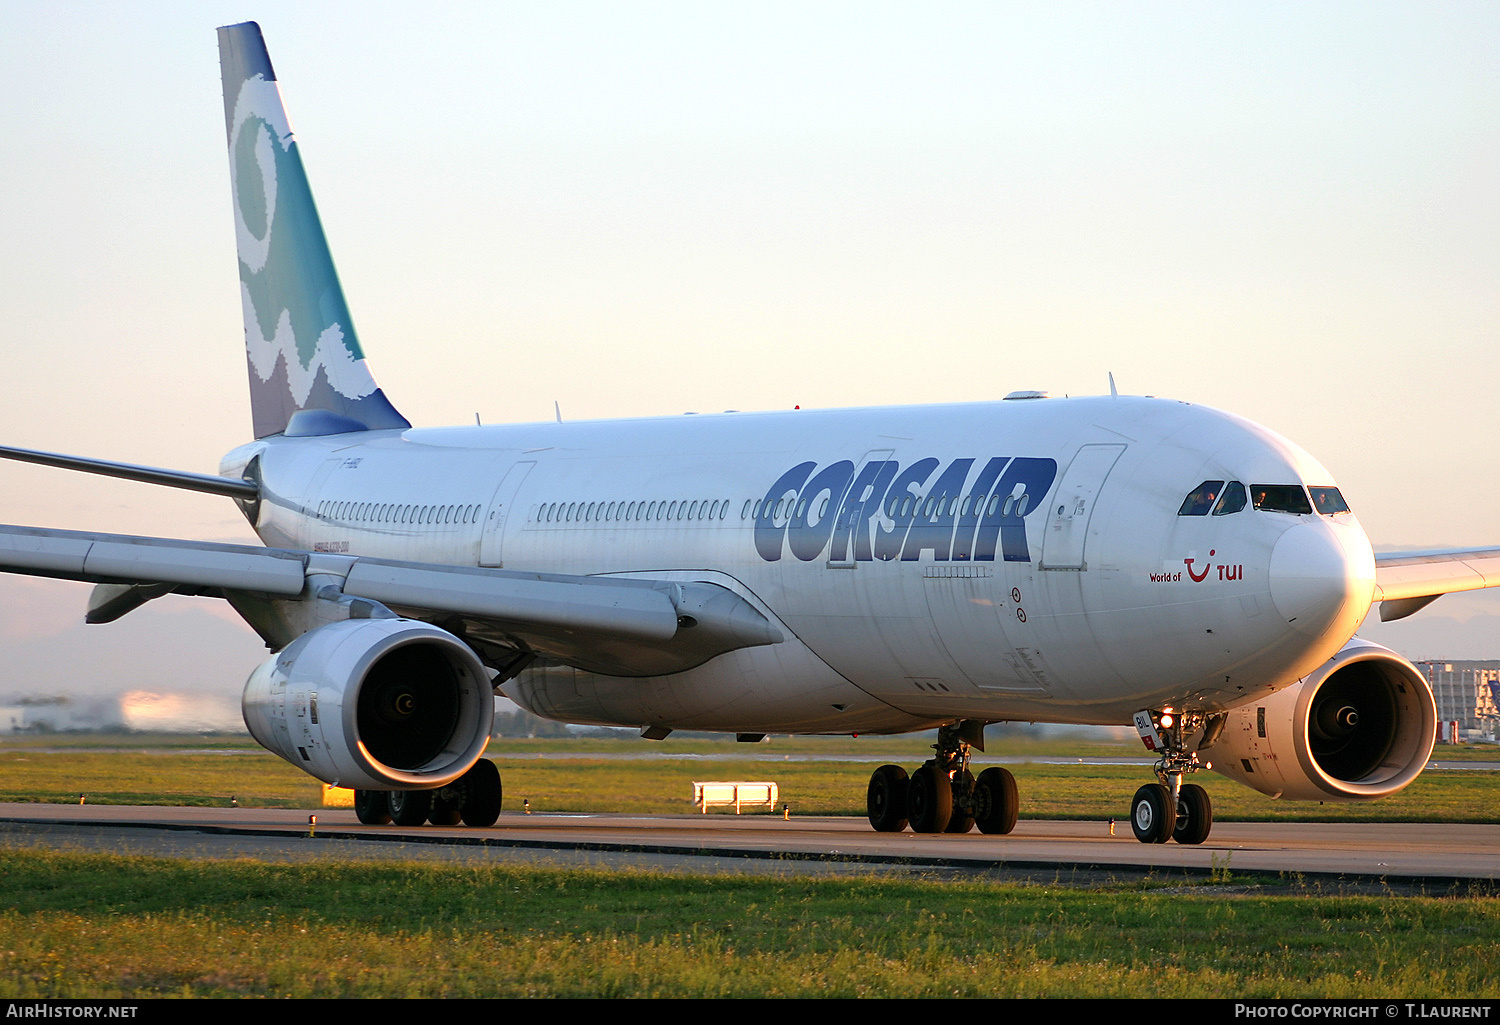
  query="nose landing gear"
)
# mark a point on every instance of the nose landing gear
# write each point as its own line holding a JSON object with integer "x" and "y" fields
{"x": 942, "y": 796}
{"x": 1170, "y": 809}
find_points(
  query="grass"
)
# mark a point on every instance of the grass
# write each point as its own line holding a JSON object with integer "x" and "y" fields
{"x": 1466, "y": 753}
{"x": 126, "y": 740}
{"x": 78, "y": 925}
{"x": 188, "y": 776}
{"x": 256, "y": 778}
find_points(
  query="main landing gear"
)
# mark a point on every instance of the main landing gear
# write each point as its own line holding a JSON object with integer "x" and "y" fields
{"x": 473, "y": 799}
{"x": 1171, "y": 809}
{"x": 942, "y": 795}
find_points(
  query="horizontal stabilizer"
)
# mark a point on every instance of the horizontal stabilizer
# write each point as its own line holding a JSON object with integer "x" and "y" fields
{"x": 244, "y": 490}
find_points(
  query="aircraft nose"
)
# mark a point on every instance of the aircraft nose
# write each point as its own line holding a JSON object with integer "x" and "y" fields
{"x": 1322, "y": 576}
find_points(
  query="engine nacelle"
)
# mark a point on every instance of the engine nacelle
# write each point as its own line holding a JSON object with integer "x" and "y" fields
{"x": 1362, "y": 726}
{"x": 375, "y": 704}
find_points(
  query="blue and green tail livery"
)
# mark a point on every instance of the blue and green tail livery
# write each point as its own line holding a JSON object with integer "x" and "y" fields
{"x": 307, "y": 372}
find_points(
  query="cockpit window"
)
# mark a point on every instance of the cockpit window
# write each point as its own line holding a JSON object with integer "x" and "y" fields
{"x": 1233, "y": 499}
{"x": 1328, "y": 501}
{"x": 1282, "y": 498}
{"x": 1201, "y": 499}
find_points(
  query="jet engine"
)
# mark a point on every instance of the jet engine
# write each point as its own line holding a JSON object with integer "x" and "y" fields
{"x": 374, "y": 704}
{"x": 1360, "y": 727}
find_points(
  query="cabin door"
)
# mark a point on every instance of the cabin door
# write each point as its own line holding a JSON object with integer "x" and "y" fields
{"x": 1073, "y": 506}
{"x": 491, "y": 541}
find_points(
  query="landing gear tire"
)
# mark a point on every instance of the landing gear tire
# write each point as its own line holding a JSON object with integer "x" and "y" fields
{"x": 482, "y": 794}
{"x": 410, "y": 807}
{"x": 445, "y": 807}
{"x": 886, "y": 799}
{"x": 372, "y": 807}
{"x": 1153, "y": 814}
{"x": 996, "y": 801}
{"x": 962, "y": 820}
{"x": 1195, "y": 815}
{"x": 929, "y": 800}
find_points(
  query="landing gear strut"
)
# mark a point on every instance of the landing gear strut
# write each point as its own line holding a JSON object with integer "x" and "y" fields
{"x": 1170, "y": 809}
{"x": 942, "y": 796}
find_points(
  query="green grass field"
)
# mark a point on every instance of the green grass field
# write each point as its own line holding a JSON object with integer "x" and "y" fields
{"x": 78, "y": 925}
{"x": 89, "y": 925}
{"x": 187, "y": 774}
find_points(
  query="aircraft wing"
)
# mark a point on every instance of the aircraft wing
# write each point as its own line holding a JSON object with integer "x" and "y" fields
{"x": 620, "y": 626}
{"x": 1408, "y": 581}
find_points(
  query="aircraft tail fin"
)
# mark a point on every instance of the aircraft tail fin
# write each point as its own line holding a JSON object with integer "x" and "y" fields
{"x": 307, "y": 372}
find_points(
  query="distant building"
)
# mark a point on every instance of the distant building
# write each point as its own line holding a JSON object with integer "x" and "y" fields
{"x": 1466, "y": 693}
{"x": 56, "y": 714}
{"x": 135, "y": 711}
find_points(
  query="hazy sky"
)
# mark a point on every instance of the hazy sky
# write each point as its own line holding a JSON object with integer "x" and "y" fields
{"x": 1285, "y": 210}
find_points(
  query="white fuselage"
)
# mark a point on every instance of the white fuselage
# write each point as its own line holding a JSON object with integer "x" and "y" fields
{"x": 1017, "y": 560}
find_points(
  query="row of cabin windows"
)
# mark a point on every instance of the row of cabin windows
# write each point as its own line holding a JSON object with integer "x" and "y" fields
{"x": 897, "y": 507}
{"x": 619, "y": 512}
{"x": 384, "y": 512}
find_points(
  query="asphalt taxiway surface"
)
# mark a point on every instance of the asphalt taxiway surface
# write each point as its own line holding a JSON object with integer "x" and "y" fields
{"x": 1406, "y": 854}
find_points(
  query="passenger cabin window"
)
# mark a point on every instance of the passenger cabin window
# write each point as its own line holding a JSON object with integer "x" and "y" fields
{"x": 1282, "y": 498}
{"x": 1201, "y": 499}
{"x": 1233, "y": 499}
{"x": 1328, "y": 501}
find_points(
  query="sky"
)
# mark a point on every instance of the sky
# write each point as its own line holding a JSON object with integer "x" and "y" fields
{"x": 1286, "y": 210}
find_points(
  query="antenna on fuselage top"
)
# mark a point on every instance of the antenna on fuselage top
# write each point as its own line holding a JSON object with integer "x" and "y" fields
{"x": 1112, "y": 393}
{"x": 557, "y": 409}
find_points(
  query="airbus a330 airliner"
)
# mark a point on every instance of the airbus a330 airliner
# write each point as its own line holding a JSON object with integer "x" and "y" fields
{"x": 1102, "y": 560}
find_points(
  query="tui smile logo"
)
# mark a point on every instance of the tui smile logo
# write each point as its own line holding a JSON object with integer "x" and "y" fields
{"x": 1199, "y": 577}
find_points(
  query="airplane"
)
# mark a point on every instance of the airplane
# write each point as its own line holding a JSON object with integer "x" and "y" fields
{"x": 1103, "y": 560}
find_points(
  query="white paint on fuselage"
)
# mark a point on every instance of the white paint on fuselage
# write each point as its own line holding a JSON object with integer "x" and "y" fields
{"x": 906, "y": 643}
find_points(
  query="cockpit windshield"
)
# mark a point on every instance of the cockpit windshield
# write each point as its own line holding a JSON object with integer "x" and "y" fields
{"x": 1223, "y": 498}
{"x": 1201, "y": 499}
{"x": 1232, "y": 501}
{"x": 1328, "y": 501}
{"x": 1282, "y": 498}
{"x": 1214, "y": 495}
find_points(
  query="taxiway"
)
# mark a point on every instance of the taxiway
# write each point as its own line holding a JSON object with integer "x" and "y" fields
{"x": 1430, "y": 856}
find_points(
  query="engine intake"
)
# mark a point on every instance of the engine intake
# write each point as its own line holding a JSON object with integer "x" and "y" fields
{"x": 375, "y": 704}
{"x": 1362, "y": 726}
